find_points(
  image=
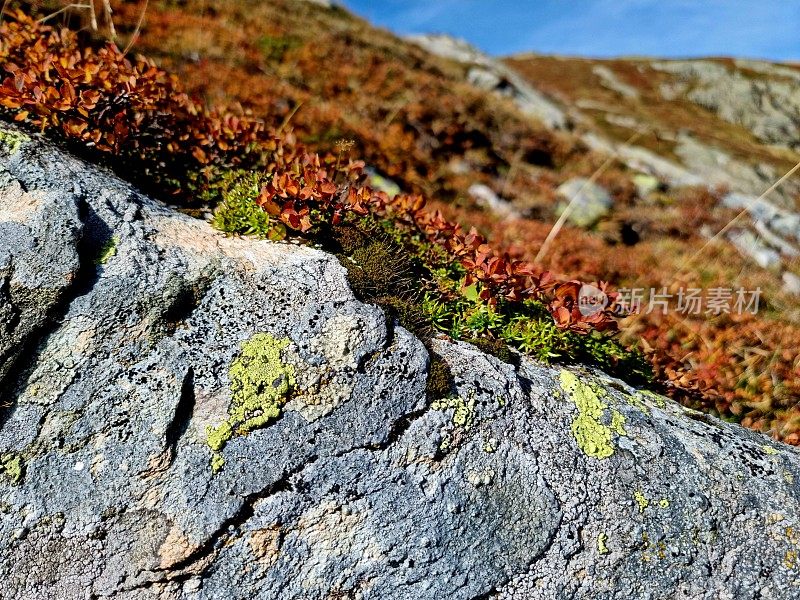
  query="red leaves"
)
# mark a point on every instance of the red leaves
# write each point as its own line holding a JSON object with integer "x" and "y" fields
{"x": 498, "y": 276}
{"x": 101, "y": 98}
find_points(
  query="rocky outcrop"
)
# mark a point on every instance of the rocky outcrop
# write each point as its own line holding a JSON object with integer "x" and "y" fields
{"x": 190, "y": 416}
{"x": 492, "y": 75}
{"x": 761, "y": 96}
{"x": 775, "y": 234}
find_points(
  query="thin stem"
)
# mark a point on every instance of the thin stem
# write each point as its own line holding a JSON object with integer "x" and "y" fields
{"x": 135, "y": 35}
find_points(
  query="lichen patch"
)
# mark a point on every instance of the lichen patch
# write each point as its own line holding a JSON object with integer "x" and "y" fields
{"x": 11, "y": 467}
{"x": 595, "y": 426}
{"x": 260, "y": 384}
{"x": 12, "y": 140}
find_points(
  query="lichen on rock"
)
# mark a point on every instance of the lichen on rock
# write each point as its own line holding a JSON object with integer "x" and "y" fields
{"x": 11, "y": 467}
{"x": 260, "y": 383}
{"x": 602, "y": 548}
{"x": 108, "y": 250}
{"x": 12, "y": 140}
{"x": 463, "y": 410}
{"x": 594, "y": 437}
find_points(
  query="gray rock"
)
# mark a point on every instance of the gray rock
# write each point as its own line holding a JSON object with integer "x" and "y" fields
{"x": 528, "y": 482}
{"x": 791, "y": 283}
{"x": 492, "y": 75}
{"x": 487, "y": 198}
{"x": 642, "y": 159}
{"x": 752, "y": 246}
{"x": 610, "y": 80}
{"x": 767, "y": 105}
{"x": 776, "y": 230}
{"x": 588, "y": 202}
{"x": 783, "y": 222}
{"x": 43, "y": 265}
{"x": 717, "y": 168}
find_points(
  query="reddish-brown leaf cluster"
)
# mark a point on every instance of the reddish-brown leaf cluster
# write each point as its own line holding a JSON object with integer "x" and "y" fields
{"x": 499, "y": 275}
{"x": 115, "y": 104}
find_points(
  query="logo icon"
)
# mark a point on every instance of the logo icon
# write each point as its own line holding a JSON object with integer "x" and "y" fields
{"x": 591, "y": 300}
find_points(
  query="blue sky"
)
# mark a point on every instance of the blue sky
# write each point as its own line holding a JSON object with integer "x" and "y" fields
{"x": 743, "y": 28}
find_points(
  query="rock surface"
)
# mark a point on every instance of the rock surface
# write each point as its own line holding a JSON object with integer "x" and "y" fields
{"x": 131, "y": 337}
{"x": 492, "y": 75}
{"x": 588, "y": 202}
{"x": 761, "y": 96}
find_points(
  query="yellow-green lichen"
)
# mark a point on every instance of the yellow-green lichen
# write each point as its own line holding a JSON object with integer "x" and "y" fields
{"x": 641, "y": 500}
{"x": 217, "y": 462}
{"x": 108, "y": 250}
{"x": 463, "y": 410}
{"x": 11, "y": 467}
{"x": 769, "y": 450}
{"x": 660, "y": 548}
{"x": 12, "y": 140}
{"x": 790, "y": 559}
{"x": 618, "y": 422}
{"x": 663, "y": 503}
{"x": 637, "y": 401}
{"x": 594, "y": 437}
{"x": 601, "y": 544}
{"x": 260, "y": 385}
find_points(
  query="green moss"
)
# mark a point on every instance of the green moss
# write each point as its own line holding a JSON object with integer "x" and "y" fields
{"x": 260, "y": 385}
{"x": 12, "y": 467}
{"x": 601, "y": 544}
{"x": 497, "y": 348}
{"x": 440, "y": 379}
{"x": 594, "y": 437}
{"x": 12, "y": 140}
{"x": 108, "y": 250}
{"x": 528, "y": 328}
{"x": 407, "y": 313}
{"x": 380, "y": 267}
{"x": 382, "y": 272}
{"x": 348, "y": 237}
{"x": 239, "y": 213}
